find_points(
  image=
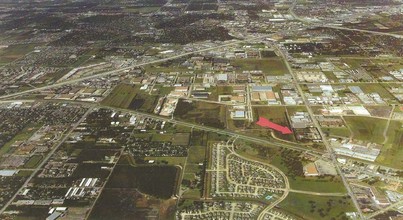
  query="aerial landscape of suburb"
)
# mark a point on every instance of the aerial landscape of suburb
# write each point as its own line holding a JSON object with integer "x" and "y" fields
{"x": 201, "y": 109}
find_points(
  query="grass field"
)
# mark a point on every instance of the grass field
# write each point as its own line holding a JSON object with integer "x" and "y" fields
{"x": 208, "y": 114}
{"x": 220, "y": 90}
{"x": 293, "y": 109}
{"x": 317, "y": 207}
{"x": 392, "y": 152}
{"x": 33, "y": 161}
{"x": 162, "y": 137}
{"x": 196, "y": 154}
{"x": 339, "y": 132}
{"x": 378, "y": 88}
{"x": 276, "y": 114}
{"x": 318, "y": 184}
{"x": 158, "y": 181}
{"x": 272, "y": 66}
{"x": 181, "y": 139}
{"x": 14, "y": 52}
{"x": 24, "y": 173}
{"x": 141, "y": 10}
{"x": 193, "y": 169}
{"x": 167, "y": 69}
{"x": 26, "y": 133}
{"x": 162, "y": 90}
{"x": 121, "y": 96}
{"x": 169, "y": 160}
{"x": 366, "y": 128}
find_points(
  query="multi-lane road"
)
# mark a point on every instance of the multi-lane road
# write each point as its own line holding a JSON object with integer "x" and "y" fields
{"x": 322, "y": 134}
{"x": 122, "y": 70}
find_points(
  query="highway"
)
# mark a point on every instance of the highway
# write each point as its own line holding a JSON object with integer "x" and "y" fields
{"x": 395, "y": 205}
{"x": 121, "y": 70}
{"x": 311, "y": 23}
{"x": 364, "y": 31}
{"x": 322, "y": 134}
{"x": 258, "y": 140}
{"x": 220, "y": 131}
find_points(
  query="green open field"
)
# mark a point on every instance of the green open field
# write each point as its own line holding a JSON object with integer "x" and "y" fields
{"x": 155, "y": 68}
{"x": 219, "y": 90}
{"x": 162, "y": 137}
{"x": 129, "y": 96}
{"x": 276, "y": 114}
{"x": 196, "y": 154}
{"x": 317, "y": 207}
{"x": 14, "y": 52}
{"x": 25, "y": 134}
{"x": 168, "y": 160}
{"x": 130, "y": 204}
{"x": 158, "y": 181}
{"x": 25, "y": 173}
{"x": 199, "y": 138}
{"x": 318, "y": 184}
{"x": 121, "y": 96}
{"x": 392, "y": 152}
{"x": 33, "y": 161}
{"x": 271, "y": 66}
{"x": 208, "y": 114}
{"x": 366, "y": 128}
{"x": 141, "y": 10}
{"x": 293, "y": 109}
{"x": 338, "y": 132}
{"x": 378, "y": 88}
{"x": 192, "y": 170}
{"x": 162, "y": 90}
{"x": 181, "y": 139}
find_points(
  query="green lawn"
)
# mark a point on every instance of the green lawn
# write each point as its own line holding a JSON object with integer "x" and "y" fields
{"x": 191, "y": 194}
{"x": 378, "y": 88}
{"x": 196, "y": 154}
{"x": 208, "y": 114}
{"x": 33, "y": 161}
{"x": 318, "y": 184}
{"x": 392, "y": 153}
{"x": 24, "y": 173}
{"x": 14, "y": 52}
{"x": 121, "y": 96}
{"x": 293, "y": 109}
{"x": 276, "y": 114}
{"x": 162, "y": 90}
{"x": 342, "y": 132}
{"x": 366, "y": 128}
{"x": 220, "y": 90}
{"x": 141, "y": 10}
{"x": 317, "y": 207}
{"x": 25, "y": 134}
{"x": 162, "y": 137}
{"x": 169, "y": 160}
